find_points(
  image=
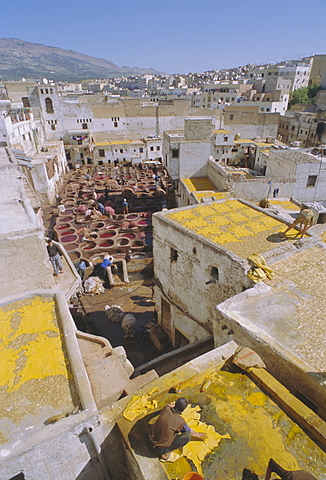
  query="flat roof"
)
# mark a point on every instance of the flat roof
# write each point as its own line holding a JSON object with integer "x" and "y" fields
{"x": 198, "y": 184}
{"x": 300, "y": 278}
{"x": 222, "y": 131}
{"x": 240, "y": 228}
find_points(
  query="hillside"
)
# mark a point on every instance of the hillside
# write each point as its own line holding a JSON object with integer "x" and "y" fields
{"x": 32, "y": 60}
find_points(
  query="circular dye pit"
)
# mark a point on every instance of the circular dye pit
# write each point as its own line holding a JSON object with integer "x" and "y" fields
{"x": 131, "y": 236}
{"x": 68, "y": 212}
{"x": 62, "y": 227}
{"x": 138, "y": 243}
{"x": 138, "y": 255}
{"x": 89, "y": 246}
{"x": 71, "y": 246}
{"x": 107, "y": 244}
{"x": 68, "y": 238}
{"x": 74, "y": 255}
{"x": 66, "y": 219}
{"x": 108, "y": 235}
{"x": 142, "y": 223}
{"x": 67, "y": 232}
{"x": 132, "y": 217}
{"x": 123, "y": 241}
{"x": 97, "y": 225}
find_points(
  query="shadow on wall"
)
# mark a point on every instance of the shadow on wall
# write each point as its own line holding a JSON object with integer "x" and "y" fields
{"x": 116, "y": 457}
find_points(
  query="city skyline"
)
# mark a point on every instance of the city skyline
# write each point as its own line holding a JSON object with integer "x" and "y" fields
{"x": 171, "y": 38}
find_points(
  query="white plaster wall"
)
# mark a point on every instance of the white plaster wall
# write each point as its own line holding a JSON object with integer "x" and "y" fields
{"x": 258, "y": 188}
{"x": 254, "y": 130}
{"x": 279, "y": 167}
{"x": 309, "y": 194}
{"x": 62, "y": 457}
{"x": 193, "y": 158}
{"x": 217, "y": 175}
{"x": 187, "y": 282}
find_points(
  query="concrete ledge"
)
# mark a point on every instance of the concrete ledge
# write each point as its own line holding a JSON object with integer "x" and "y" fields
{"x": 311, "y": 423}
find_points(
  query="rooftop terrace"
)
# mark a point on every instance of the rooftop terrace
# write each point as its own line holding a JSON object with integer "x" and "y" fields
{"x": 241, "y": 229}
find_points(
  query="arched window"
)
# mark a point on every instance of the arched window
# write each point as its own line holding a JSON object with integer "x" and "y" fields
{"x": 48, "y": 105}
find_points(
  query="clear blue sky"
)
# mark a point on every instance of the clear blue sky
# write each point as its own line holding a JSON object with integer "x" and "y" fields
{"x": 177, "y": 36}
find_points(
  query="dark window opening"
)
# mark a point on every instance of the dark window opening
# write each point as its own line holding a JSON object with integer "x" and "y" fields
{"x": 226, "y": 139}
{"x": 101, "y": 153}
{"x": 175, "y": 153}
{"x": 79, "y": 142}
{"x": 48, "y": 105}
{"x": 311, "y": 180}
{"x": 141, "y": 150}
{"x": 26, "y": 103}
{"x": 194, "y": 250}
{"x": 52, "y": 127}
{"x": 152, "y": 148}
{"x": 84, "y": 126}
{"x": 20, "y": 476}
{"x": 115, "y": 124}
{"x": 174, "y": 255}
{"x": 157, "y": 148}
{"x": 214, "y": 273}
{"x": 68, "y": 156}
{"x": 180, "y": 339}
{"x": 100, "y": 162}
{"x": 81, "y": 155}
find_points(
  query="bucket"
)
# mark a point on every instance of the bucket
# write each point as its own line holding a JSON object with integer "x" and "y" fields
{"x": 192, "y": 476}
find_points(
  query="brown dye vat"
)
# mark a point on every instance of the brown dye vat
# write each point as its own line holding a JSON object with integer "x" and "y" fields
{"x": 71, "y": 246}
{"x": 108, "y": 235}
{"x": 123, "y": 241}
{"x": 107, "y": 244}
{"x": 138, "y": 243}
{"x": 68, "y": 238}
{"x": 74, "y": 255}
{"x": 66, "y": 219}
{"x": 97, "y": 225}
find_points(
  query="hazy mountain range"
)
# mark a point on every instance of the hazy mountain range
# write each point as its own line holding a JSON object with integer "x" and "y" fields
{"x": 32, "y": 60}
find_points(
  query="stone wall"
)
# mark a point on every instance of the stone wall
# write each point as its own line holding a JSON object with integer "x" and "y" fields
{"x": 193, "y": 274}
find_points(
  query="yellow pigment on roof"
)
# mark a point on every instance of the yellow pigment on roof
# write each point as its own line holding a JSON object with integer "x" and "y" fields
{"x": 210, "y": 194}
{"x": 285, "y": 204}
{"x": 37, "y": 336}
{"x": 230, "y": 223}
{"x": 222, "y": 131}
{"x": 198, "y": 184}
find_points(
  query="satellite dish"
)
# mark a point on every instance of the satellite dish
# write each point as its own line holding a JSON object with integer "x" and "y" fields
{"x": 45, "y": 81}
{"x": 23, "y": 79}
